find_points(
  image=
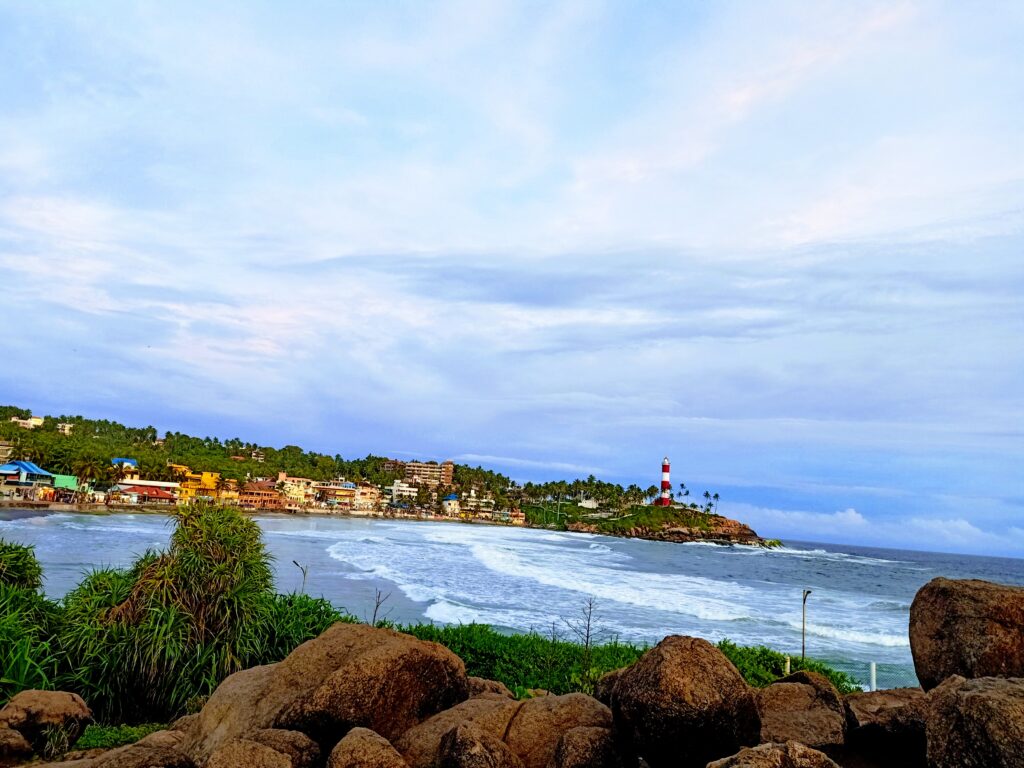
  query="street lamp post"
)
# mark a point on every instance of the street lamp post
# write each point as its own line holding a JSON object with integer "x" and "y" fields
{"x": 803, "y": 627}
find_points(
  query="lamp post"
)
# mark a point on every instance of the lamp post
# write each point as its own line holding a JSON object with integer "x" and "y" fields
{"x": 803, "y": 627}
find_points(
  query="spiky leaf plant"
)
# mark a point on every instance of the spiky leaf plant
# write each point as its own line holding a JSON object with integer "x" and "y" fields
{"x": 19, "y": 567}
{"x": 140, "y": 643}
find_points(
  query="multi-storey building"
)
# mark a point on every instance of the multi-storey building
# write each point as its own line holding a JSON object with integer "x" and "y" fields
{"x": 65, "y": 427}
{"x": 30, "y": 423}
{"x": 299, "y": 492}
{"x": 260, "y": 495}
{"x": 367, "y": 500}
{"x": 194, "y": 485}
{"x": 6, "y": 451}
{"x": 429, "y": 473}
{"x": 338, "y": 495}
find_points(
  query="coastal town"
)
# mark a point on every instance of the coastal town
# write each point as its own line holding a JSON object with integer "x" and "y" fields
{"x": 78, "y": 464}
{"x": 424, "y": 488}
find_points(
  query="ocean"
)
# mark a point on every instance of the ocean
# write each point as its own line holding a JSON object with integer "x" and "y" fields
{"x": 535, "y": 580}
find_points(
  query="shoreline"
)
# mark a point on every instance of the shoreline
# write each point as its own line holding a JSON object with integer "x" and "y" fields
{"x": 669, "y": 535}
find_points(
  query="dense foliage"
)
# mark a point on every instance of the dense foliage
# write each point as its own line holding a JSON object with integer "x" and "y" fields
{"x": 150, "y": 642}
{"x": 92, "y": 443}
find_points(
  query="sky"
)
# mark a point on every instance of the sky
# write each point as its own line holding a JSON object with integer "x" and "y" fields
{"x": 781, "y": 243}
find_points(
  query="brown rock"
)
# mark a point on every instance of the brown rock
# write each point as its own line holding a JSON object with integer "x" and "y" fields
{"x": 889, "y": 724}
{"x": 587, "y": 747}
{"x": 362, "y": 748}
{"x": 14, "y": 748}
{"x": 51, "y": 721}
{"x": 142, "y": 756}
{"x": 684, "y": 704}
{"x": 976, "y": 724}
{"x": 162, "y": 739}
{"x": 83, "y": 754}
{"x": 352, "y": 675}
{"x": 479, "y": 686}
{"x": 298, "y": 747}
{"x": 967, "y": 627}
{"x": 606, "y": 684}
{"x": 804, "y": 707}
{"x": 183, "y": 723}
{"x": 243, "y": 753}
{"x": 536, "y": 728}
{"x": 788, "y": 755}
{"x": 469, "y": 746}
{"x": 420, "y": 744}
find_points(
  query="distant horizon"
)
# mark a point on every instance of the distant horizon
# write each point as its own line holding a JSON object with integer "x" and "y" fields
{"x": 727, "y": 507}
{"x": 778, "y": 242}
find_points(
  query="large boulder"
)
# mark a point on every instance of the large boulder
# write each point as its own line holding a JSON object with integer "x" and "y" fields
{"x": 531, "y": 728}
{"x": 606, "y": 684}
{"x": 362, "y": 748}
{"x": 970, "y": 628}
{"x": 420, "y": 744}
{"x": 298, "y": 747}
{"x": 888, "y": 724}
{"x": 14, "y": 748}
{"x": 587, "y": 747}
{"x": 684, "y": 704}
{"x": 976, "y": 724}
{"x": 49, "y": 720}
{"x": 535, "y": 730}
{"x": 351, "y": 676}
{"x": 244, "y": 753}
{"x": 802, "y": 707}
{"x": 469, "y": 746}
{"x": 479, "y": 686}
{"x": 791, "y": 754}
{"x": 141, "y": 755}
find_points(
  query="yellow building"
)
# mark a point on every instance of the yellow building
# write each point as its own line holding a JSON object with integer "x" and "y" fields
{"x": 197, "y": 484}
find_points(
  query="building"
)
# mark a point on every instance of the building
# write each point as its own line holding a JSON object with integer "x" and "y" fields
{"x": 368, "y": 500}
{"x": 338, "y": 495}
{"x": 6, "y": 451}
{"x": 258, "y": 455}
{"x": 143, "y": 494}
{"x": 65, "y": 428}
{"x": 477, "y": 506}
{"x": 298, "y": 491}
{"x": 429, "y": 473}
{"x": 450, "y": 505}
{"x": 665, "y": 498}
{"x": 30, "y": 423}
{"x": 260, "y": 495}
{"x": 402, "y": 490}
{"x": 394, "y": 465}
{"x": 197, "y": 485}
{"x": 24, "y": 474}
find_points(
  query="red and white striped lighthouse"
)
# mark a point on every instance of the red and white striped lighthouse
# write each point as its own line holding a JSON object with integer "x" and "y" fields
{"x": 666, "y": 486}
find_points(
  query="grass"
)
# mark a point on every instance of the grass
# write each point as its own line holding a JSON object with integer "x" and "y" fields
{"x": 111, "y": 736}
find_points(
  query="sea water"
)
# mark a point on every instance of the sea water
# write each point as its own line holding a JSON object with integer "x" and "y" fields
{"x": 537, "y": 580}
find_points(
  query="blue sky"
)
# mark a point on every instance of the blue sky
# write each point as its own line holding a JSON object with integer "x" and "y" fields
{"x": 780, "y": 242}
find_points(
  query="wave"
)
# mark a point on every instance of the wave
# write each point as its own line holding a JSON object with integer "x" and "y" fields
{"x": 854, "y": 635}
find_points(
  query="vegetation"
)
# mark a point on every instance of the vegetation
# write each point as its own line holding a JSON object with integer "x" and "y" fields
{"x": 561, "y": 516}
{"x": 147, "y": 643}
{"x": 111, "y": 736}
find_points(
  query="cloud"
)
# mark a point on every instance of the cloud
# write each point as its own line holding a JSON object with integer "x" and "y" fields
{"x": 779, "y": 243}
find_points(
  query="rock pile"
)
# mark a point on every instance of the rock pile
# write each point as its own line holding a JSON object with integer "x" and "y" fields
{"x": 360, "y": 697}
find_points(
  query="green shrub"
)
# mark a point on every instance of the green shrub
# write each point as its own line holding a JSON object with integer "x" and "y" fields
{"x": 28, "y": 649}
{"x": 19, "y": 566}
{"x": 760, "y": 666}
{"x": 111, "y": 736}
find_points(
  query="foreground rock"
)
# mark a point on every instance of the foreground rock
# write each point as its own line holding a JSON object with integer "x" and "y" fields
{"x": 351, "y": 676}
{"x": 141, "y": 755}
{"x": 362, "y": 748}
{"x": 591, "y": 747}
{"x": 479, "y": 686}
{"x": 976, "y": 724}
{"x": 531, "y": 729}
{"x": 967, "y": 627}
{"x": 14, "y": 748}
{"x": 684, "y": 704}
{"x": 469, "y": 746}
{"x": 789, "y": 755}
{"x": 47, "y": 719}
{"x": 803, "y": 707}
{"x": 888, "y": 725}
{"x": 606, "y": 685}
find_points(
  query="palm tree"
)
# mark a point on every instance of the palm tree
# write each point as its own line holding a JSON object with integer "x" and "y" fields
{"x": 715, "y": 497}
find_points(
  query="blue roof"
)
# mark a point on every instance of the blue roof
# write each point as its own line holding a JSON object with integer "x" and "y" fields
{"x": 131, "y": 462}
{"x": 451, "y": 497}
{"x": 17, "y": 467}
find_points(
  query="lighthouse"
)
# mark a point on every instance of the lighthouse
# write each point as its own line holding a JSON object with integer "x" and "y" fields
{"x": 666, "y": 486}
